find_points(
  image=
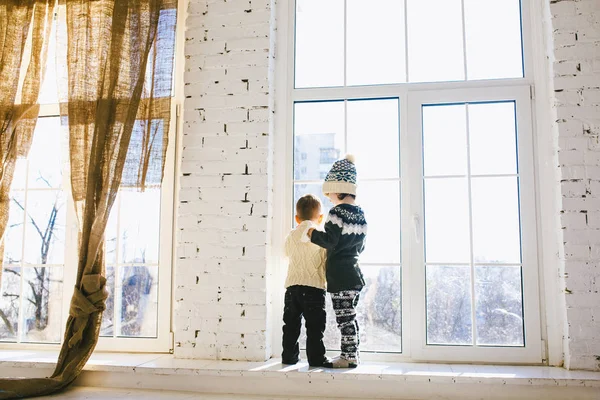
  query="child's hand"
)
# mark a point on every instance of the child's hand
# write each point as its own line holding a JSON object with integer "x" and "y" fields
{"x": 310, "y": 231}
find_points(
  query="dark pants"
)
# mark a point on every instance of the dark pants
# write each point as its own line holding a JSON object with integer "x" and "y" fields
{"x": 344, "y": 305}
{"x": 308, "y": 302}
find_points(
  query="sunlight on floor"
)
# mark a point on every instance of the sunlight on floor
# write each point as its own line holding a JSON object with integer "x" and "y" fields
{"x": 85, "y": 393}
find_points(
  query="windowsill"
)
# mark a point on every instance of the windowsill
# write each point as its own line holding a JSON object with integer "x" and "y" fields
{"x": 148, "y": 369}
{"x": 167, "y": 364}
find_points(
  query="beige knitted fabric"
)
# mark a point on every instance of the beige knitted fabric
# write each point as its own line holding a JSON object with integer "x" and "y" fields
{"x": 307, "y": 260}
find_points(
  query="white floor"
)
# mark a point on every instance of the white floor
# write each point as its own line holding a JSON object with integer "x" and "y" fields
{"x": 157, "y": 376}
{"x": 84, "y": 393}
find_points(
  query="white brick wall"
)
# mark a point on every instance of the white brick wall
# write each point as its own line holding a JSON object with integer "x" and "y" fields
{"x": 223, "y": 215}
{"x": 221, "y": 302}
{"x": 576, "y": 27}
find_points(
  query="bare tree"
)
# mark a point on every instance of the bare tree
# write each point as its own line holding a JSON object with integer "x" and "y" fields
{"x": 39, "y": 293}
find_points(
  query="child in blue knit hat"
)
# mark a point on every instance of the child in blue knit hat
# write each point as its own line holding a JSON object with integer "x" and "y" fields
{"x": 344, "y": 238}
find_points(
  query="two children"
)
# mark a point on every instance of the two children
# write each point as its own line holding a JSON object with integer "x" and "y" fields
{"x": 344, "y": 240}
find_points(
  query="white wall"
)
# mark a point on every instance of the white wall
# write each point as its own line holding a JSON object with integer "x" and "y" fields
{"x": 224, "y": 199}
{"x": 222, "y": 270}
{"x": 576, "y": 66}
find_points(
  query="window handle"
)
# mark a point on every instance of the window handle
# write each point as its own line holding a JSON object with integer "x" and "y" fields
{"x": 417, "y": 225}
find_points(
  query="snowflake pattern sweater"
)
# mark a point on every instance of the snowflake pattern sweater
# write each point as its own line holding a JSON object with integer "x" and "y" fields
{"x": 307, "y": 261}
{"x": 344, "y": 238}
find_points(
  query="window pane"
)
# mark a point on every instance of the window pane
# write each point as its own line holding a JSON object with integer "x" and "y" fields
{"x": 373, "y": 134}
{"x": 435, "y": 41}
{"x": 108, "y": 324}
{"x": 139, "y": 226}
{"x": 153, "y": 157}
{"x": 496, "y": 228}
{"x": 380, "y": 309}
{"x": 449, "y": 305}
{"x": 45, "y": 164}
{"x": 45, "y": 229}
{"x": 9, "y": 303}
{"x": 332, "y": 333}
{"x": 20, "y": 174}
{"x": 383, "y": 239}
{"x": 42, "y": 305}
{"x": 375, "y": 42}
{"x": 499, "y": 306}
{"x": 447, "y": 221}
{"x": 319, "y": 43}
{"x": 49, "y": 89}
{"x": 318, "y": 138}
{"x": 379, "y": 313}
{"x": 13, "y": 237}
{"x": 111, "y": 233}
{"x": 492, "y": 133}
{"x": 138, "y": 301}
{"x": 493, "y": 38}
{"x": 445, "y": 140}
{"x": 160, "y": 78}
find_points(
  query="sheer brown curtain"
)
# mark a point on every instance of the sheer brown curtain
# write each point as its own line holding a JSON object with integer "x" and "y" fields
{"x": 24, "y": 32}
{"x": 120, "y": 62}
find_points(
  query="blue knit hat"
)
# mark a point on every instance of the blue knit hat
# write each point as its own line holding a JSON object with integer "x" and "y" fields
{"x": 342, "y": 177}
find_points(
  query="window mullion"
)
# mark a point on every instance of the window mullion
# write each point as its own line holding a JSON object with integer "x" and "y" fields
{"x": 71, "y": 263}
{"x": 406, "y": 188}
{"x": 407, "y": 75}
{"x": 117, "y": 295}
{"x": 471, "y": 256}
{"x": 346, "y": 126}
{"x": 20, "y": 326}
{"x": 464, "y": 38}
{"x": 345, "y": 42}
{"x": 393, "y": 90}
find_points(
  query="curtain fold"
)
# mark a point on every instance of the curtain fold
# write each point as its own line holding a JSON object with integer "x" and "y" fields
{"x": 119, "y": 59}
{"x": 24, "y": 36}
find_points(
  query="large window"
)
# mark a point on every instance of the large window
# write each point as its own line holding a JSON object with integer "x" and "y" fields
{"x": 40, "y": 244}
{"x": 433, "y": 98}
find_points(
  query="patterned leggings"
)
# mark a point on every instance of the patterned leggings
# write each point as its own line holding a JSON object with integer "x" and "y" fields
{"x": 344, "y": 306}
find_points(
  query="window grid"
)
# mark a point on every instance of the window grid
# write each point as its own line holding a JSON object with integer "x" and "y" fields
{"x": 464, "y": 47}
{"x": 369, "y": 264}
{"x": 23, "y": 265}
{"x": 470, "y": 202}
{"x": 469, "y": 177}
{"x": 408, "y": 93}
{"x": 49, "y": 107}
{"x": 115, "y": 342}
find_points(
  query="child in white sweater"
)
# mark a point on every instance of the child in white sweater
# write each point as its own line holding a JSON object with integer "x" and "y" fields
{"x": 305, "y": 288}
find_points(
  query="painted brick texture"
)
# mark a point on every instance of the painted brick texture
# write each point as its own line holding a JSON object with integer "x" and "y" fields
{"x": 576, "y": 31}
{"x": 222, "y": 243}
{"x": 223, "y": 221}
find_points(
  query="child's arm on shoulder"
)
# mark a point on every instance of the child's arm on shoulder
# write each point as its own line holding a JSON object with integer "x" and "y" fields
{"x": 329, "y": 238}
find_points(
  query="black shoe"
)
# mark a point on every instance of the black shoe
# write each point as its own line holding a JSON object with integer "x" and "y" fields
{"x": 290, "y": 362}
{"x": 322, "y": 363}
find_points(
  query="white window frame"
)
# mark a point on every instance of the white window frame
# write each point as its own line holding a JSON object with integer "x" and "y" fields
{"x": 411, "y": 96}
{"x": 532, "y": 352}
{"x": 163, "y": 342}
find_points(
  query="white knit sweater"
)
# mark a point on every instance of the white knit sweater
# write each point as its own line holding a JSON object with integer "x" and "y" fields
{"x": 307, "y": 260}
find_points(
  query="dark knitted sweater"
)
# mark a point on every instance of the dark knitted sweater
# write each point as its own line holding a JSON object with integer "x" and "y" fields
{"x": 344, "y": 239}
